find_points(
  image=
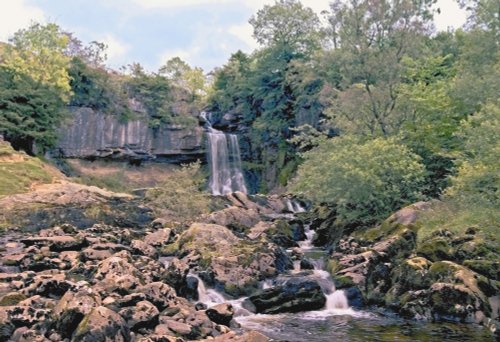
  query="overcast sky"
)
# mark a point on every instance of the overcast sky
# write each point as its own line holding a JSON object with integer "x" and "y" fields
{"x": 202, "y": 32}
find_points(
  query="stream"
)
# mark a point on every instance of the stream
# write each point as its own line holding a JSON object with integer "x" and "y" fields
{"x": 337, "y": 321}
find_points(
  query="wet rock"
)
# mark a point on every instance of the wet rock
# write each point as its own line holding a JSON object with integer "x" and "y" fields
{"x": 221, "y": 313}
{"x": 142, "y": 315}
{"x": 230, "y": 262}
{"x": 293, "y": 296}
{"x": 102, "y": 325}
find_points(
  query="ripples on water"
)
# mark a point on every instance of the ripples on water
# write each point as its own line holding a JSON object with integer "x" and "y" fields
{"x": 358, "y": 326}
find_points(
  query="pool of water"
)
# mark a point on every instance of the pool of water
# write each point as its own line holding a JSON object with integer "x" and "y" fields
{"x": 355, "y": 326}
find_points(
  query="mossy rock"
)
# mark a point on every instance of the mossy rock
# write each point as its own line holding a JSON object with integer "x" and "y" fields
{"x": 488, "y": 268}
{"x": 12, "y": 298}
{"x": 281, "y": 233}
{"x": 436, "y": 249}
{"x": 342, "y": 282}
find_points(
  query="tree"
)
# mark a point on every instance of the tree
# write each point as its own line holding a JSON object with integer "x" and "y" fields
{"x": 478, "y": 180}
{"x": 364, "y": 180}
{"x": 287, "y": 23}
{"x": 371, "y": 38}
{"x": 39, "y": 53}
{"x": 182, "y": 75}
{"x": 30, "y": 111}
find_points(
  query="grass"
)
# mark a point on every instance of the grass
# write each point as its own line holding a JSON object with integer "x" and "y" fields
{"x": 457, "y": 218}
{"x": 19, "y": 171}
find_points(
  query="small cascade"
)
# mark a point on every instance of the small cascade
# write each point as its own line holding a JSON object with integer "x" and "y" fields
{"x": 296, "y": 266}
{"x": 224, "y": 159}
{"x": 294, "y": 206}
{"x": 307, "y": 243}
{"x": 336, "y": 300}
{"x": 206, "y": 296}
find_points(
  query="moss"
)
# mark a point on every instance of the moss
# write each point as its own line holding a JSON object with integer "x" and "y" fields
{"x": 12, "y": 299}
{"x": 343, "y": 282}
{"x": 170, "y": 249}
{"x": 332, "y": 266}
{"x": 435, "y": 249}
{"x": 490, "y": 269}
{"x": 83, "y": 327}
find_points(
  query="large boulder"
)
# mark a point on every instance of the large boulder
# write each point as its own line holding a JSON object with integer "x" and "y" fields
{"x": 102, "y": 325}
{"x": 293, "y": 296}
{"x": 117, "y": 273}
{"x": 234, "y": 264}
{"x": 142, "y": 315}
{"x": 72, "y": 308}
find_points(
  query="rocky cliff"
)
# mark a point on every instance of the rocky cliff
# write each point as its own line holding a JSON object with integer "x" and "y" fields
{"x": 93, "y": 135}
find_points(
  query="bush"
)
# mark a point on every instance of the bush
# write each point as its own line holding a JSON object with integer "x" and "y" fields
{"x": 478, "y": 180}
{"x": 181, "y": 197}
{"x": 364, "y": 180}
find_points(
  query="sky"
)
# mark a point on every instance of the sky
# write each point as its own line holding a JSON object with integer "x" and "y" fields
{"x": 202, "y": 32}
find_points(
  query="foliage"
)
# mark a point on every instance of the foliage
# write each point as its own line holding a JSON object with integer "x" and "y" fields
{"x": 371, "y": 38}
{"x": 364, "y": 180}
{"x": 38, "y": 52}
{"x": 181, "y": 196}
{"x": 478, "y": 180}
{"x": 30, "y": 111}
{"x": 287, "y": 23}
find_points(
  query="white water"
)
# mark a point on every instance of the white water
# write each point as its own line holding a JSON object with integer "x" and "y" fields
{"x": 294, "y": 206}
{"x": 307, "y": 243}
{"x": 209, "y": 297}
{"x": 224, "y": 159}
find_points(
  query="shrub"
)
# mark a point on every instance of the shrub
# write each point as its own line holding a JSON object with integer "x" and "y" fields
{"x": 181, "y": 197}
{"x": 364, "y": 180}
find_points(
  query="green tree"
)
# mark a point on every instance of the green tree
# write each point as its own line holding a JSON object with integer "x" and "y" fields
{"x": 39, "y": 52}
{"x": 478, "y": 180}
{"x": 287, "y": 23}
{"x": 30, "y": 111}
{"x": 364, "y": 180}
{"x": 371, "y": 38}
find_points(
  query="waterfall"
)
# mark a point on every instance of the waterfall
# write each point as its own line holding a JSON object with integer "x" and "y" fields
{"x": 224, "y": 159}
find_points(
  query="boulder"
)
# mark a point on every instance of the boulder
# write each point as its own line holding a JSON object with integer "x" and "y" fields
{"x": 235, "y": 218}
{"x": 295, "y": 295}
{"x": 56, "y": 243}
{"x": 221, "y": 313}
{"x": 71, "y": 309}
{"x": 159, "y": 294}
{"x": 142, "y": 315}
{"x": 116, "y": 273}
{"x": 102, "y": 325}
{"x": 159, "y": 238}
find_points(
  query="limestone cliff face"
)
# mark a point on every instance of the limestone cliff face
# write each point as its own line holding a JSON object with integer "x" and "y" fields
{"x": 91, "y": 134}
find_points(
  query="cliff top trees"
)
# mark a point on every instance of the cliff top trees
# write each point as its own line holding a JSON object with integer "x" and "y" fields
{"x": 34, "y": 86}
{"x": 39, "y": 52}
{"x": 287, "y": 23}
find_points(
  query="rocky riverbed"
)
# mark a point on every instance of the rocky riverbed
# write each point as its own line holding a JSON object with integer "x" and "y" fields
{"x": 82, "y": 264}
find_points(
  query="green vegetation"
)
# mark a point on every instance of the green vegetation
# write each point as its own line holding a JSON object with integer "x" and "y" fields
{"x": 181, "y": 197}
{"x": 44, "y": 69}
{"x": 19, "y": 171}
{"x": 364, "y": 180}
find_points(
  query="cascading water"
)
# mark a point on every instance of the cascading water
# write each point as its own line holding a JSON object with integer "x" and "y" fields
{"x": 224, "y": 159}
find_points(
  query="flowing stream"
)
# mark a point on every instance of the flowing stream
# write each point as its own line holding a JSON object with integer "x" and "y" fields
{"x": 224, "y": 159}
{"x": 337, "y": 321}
